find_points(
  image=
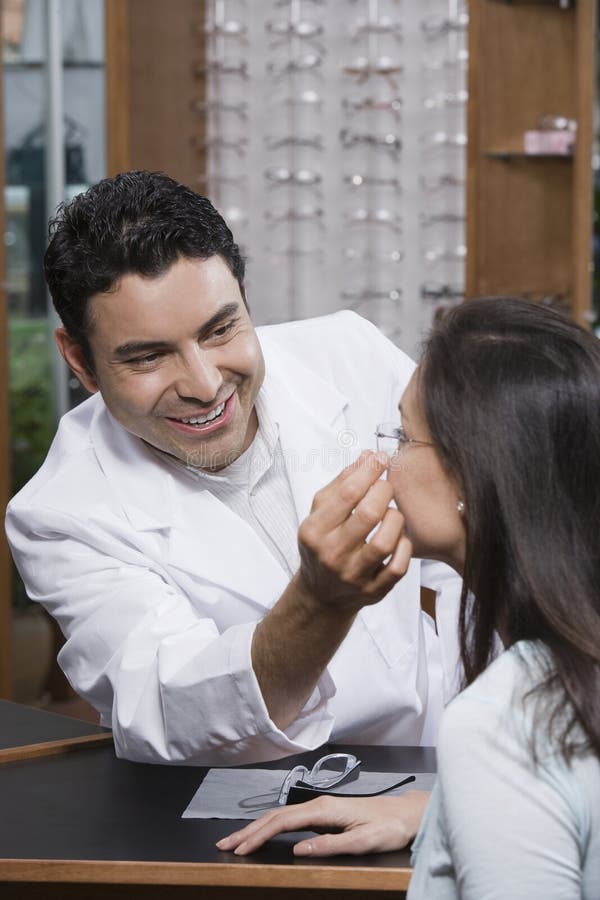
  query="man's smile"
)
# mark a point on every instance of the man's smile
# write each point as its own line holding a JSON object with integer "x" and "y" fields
{"x": 206, "y": 423}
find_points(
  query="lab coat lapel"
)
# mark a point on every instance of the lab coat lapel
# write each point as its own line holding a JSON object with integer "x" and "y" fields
{"x": 206, "y": 540}
{"x": 314, "y": 441}
{"x": 131, "y": 468}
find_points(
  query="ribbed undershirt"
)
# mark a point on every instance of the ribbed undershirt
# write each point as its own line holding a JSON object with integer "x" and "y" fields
{"x": 256, "y": 487}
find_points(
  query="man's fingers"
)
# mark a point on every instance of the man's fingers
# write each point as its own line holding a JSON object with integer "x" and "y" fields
{"x": 388, "y": 542}
{"x": 389, "y": 574}
{"x": 334, "y": 503}
{"x": 384, "y": 541}
{"x": 367, "y": 514}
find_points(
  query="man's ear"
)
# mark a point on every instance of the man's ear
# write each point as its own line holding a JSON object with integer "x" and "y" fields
{"x": 74, "y": 357}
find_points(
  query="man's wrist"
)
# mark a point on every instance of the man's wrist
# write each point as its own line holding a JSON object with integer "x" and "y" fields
{"x": 313, "y": 604}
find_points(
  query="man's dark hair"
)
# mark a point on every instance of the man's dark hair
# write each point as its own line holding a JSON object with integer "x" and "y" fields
{"x": 136, "y": 222}
{"x": 511, "y": 395}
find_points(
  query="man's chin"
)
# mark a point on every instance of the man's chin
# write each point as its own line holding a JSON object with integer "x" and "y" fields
{"x": 209, "y": 459}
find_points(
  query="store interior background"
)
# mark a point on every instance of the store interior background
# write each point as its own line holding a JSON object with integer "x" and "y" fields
{"x": 365, "y": 153}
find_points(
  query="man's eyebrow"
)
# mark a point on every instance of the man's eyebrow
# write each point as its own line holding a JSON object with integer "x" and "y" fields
{"x": 229, "y": 309}
{"x": 131, "y": 348}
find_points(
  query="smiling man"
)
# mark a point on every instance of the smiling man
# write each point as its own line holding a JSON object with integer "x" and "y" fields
{"x": 222, "y": 598}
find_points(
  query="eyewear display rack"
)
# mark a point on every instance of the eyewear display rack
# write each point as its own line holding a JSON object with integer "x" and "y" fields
{"x": 335, "y": 147}
{"x": 529, "y": 217}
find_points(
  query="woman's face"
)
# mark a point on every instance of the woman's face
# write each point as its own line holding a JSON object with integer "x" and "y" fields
{"x": 425, "y": 493}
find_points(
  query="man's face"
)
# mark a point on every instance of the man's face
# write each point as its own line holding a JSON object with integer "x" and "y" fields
{"x": 177, "y": 361}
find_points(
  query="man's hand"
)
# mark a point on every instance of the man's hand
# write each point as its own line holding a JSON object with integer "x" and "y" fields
{"x": 357, "y": 825}
{"x": 340, "y": 572}
{"x": 339, "y": 566}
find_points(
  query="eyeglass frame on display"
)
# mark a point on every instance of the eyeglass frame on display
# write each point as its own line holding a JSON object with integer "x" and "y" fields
{"x": 384, "y": 25}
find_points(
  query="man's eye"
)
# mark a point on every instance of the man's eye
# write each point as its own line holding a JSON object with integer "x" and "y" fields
{"x": 147, "y": 360}
{"x": 222, "y": 330}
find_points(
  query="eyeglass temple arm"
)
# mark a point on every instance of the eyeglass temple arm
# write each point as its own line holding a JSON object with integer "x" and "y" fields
{"x": 297, "y": 793}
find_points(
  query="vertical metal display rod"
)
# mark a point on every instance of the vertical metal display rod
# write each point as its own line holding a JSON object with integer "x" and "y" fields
{"x": 55, "y": 171}
{"x": 295, "y": 53}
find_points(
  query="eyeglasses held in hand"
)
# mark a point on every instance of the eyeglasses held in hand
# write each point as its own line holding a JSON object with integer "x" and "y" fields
{"x": 391, "y": 438}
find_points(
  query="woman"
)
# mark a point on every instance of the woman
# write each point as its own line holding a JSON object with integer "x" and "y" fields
{"x": 497, "y": 472}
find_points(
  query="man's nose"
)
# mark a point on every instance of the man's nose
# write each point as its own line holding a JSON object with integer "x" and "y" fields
{"x": 199, "y": 377}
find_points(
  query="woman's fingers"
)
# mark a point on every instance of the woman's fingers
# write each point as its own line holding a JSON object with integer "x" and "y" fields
{"x": 356, "y": 842}
{"x": 290, "y": 818}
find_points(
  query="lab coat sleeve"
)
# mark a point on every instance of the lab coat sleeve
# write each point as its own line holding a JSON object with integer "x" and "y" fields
{"x": 173, "y": 689}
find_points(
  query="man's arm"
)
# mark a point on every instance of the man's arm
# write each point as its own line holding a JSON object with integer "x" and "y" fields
{"x": 340, "y": 572}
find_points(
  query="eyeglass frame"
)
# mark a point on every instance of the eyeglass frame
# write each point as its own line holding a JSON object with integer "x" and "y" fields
{"x": 292, "y": 793}
{"x": 301, "y": 776}
{"x": 397, "y": 434}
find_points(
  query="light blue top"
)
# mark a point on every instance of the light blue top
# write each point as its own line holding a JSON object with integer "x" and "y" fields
{"x": 497, "y": 826}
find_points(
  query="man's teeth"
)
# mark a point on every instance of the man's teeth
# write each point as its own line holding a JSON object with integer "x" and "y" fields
{"x": 202, "y": 420}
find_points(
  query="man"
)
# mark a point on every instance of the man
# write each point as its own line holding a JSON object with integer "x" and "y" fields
{"x": 161, "y": 531}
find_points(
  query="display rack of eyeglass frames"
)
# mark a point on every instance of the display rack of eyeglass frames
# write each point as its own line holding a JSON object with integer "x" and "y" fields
{"x": 336, "y": 141}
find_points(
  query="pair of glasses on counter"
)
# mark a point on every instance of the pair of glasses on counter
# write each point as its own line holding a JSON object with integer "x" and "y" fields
{"x": 329, "y": 772}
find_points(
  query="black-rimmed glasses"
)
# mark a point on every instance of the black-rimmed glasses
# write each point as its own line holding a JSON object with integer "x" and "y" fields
{"x": 391, "y": 437}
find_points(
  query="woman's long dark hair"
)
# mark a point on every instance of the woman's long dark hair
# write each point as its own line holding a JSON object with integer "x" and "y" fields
{"x": 511, "y": 395}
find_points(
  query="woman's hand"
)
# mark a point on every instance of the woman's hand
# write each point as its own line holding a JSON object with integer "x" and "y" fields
{"x": 358, "y": 825}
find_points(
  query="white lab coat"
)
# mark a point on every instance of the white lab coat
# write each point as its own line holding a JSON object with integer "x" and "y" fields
{"x": 157, "y": 586}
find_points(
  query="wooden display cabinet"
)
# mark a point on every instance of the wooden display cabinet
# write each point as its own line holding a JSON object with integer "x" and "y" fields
{"x": 529, "y": 218}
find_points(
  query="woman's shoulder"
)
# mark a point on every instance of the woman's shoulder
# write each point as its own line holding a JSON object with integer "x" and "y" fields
{"x": 515, "y": 671}
{"x": 498, "y": 708}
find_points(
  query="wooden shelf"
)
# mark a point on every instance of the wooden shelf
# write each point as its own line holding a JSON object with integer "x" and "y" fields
{"x": 529, "y": 217}
{"x": 561, "y": 4}
{"x": 508, "y": 155}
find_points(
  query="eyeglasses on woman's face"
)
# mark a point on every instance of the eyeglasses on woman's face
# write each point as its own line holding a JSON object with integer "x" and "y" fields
{"x": 391, "y": 438}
